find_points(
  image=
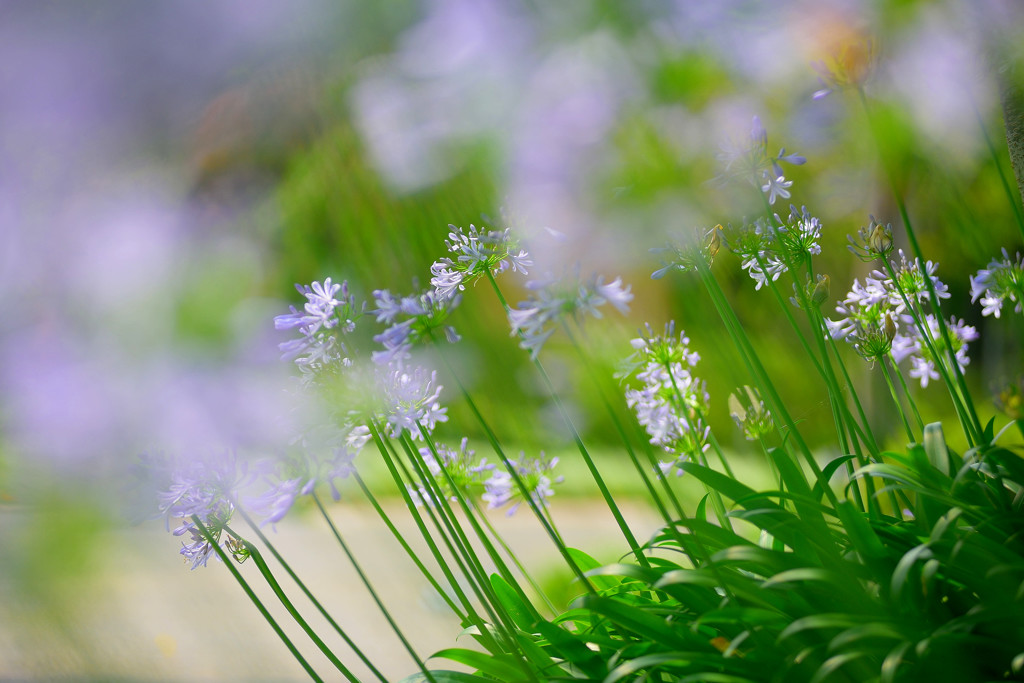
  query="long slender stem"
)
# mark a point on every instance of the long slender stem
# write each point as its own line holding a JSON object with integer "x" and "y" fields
{"x": 409, "y": 551}
{"x": 896, "y": 401}
{"x": 514, "y": 473}
{"x": 316, "y": 603}
{"x": 627, "y": 533}
{"x": 373, "y": 593}
{"x": 252, "y": 596}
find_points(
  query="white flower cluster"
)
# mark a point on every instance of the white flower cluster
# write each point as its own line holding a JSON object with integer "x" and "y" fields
{"x": 476, "y": 252}
{"x": 877, "y": 322}
{"x": 671, "y": 403}
{"x": 768, "y": 249}
{"x": 534, "y": 319}
{"x": 1001, "y": 281}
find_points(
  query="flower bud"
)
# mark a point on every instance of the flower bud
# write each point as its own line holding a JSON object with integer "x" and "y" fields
{"x": 819, "y": 294}
{"x": 880, "y": 238}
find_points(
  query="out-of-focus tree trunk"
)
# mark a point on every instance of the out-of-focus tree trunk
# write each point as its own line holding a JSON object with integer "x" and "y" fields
{"x": 1005, "y": 40}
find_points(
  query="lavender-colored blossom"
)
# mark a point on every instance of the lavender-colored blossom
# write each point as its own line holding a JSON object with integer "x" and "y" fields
{"x": 771, "y": 247}
{"x": 534, "y": 473}
{"x": 424, "y": 313}
{"x": 922, "y": 361}
{"x": 456, "y": 472}
{"x": 411, "y": 400}
{"x": 910, "y": 282}
{"x": 671, "y": 402}
{"x": 534, "y": 319}
{"x": 322, "y": 320}
{"x": 1000, "y": 281}
{"x": 206, "y": 488}
{"x": 476, "y": 253}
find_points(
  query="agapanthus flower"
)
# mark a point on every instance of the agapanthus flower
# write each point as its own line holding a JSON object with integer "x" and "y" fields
{"x": 1001, "y": 281}
{"x": 458, "y": 467}
{"x": 298, "y": 473}
{"x": 535, "y": 474}
{"x": 922, "y": 361}
{"x": 750, "y": 159}
{"x": 702, "y": 248}
{"x": 769, "y": 248}
{"x": 534, "y": 319}
{"x": 671, "y": 402}
{"x": 476, "y": 252}
{"x": 411, "y": 400}
{"x": 412, "y": 318}
{"x": 206, "y": 488}
{"x": 330, "y": 312}
{"x": 873, "y": 241}
{"x": 875, "y": 321}
{"x": 870, "y": 322}
{"x": 750, "y": 414}
{"x": 910, "y": 282}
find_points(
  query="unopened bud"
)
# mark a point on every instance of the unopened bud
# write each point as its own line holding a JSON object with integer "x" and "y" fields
{"x": 713, "y": 241}
{"x": 819, "y": 294}
{"x": 880, "y": 239}
{"x": 890, "y": 327}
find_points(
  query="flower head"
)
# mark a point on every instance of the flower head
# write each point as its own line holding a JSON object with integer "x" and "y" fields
{"x": 413, "y": 318}
{"x": 750, "y": 414}
{"x": 873, "y": 241}
{"x": 702, "y": 248}
{"x": 330, "y": 312}
{"x": 204, "y": 488}
{"x": 534, "y": 319}
{"x": 671, "y": 402}
{"x": 769, "y": 248}
{"x": 411, "y": 400}
{"x": 455, "y": 471}
{"x": 1001, "y": 281}
{"x": 534, "y": 473}
{"x": 475, "y": 253}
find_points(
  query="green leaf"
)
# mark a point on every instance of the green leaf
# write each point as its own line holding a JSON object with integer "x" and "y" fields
{"x": 654, "y": 661}
{"x": 859, "y": 531}
{"x": 833, "y": 664}
{"x": 640, "y": 622}
{"x": 935, "y": 447}
{"x": 828, "y": 471}
{"x": 572, "y": 649}
{"x": 501, "y": 667}
{"x": 523, "y": 615}
{"x": 893, "y": 661}
{"x": 724, "y": 484}
{"x": 822, "y": 621}
{"x": 444, "y": 676}
{"x": 901, "y": 574}
{"x": 587, "y": 563}
{"x": 701, "y": 512}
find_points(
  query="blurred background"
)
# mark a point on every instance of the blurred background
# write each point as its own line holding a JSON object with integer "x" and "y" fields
{"x": 168, "y": 171}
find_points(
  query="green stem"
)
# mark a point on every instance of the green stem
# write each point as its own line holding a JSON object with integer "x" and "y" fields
{"x": 316, "y": 603}
{"x": 896, "y": 400}
{"x": 252, "y": 596}
{"x": 581, "y": 447}
{"x": 412, "y": 554}
{"x": 373, "y": 593}
{"x": 514, "y": 473}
